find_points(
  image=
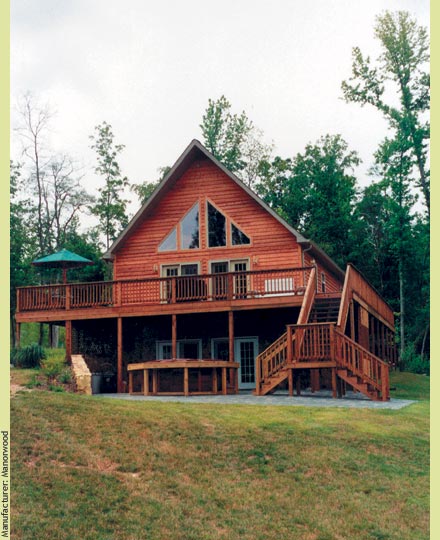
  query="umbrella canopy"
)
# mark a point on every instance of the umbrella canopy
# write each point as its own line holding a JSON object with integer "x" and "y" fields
{"x": 62, "y": 259}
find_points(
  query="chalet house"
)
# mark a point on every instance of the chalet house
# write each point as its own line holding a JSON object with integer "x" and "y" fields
{"x": 213, "y": 292}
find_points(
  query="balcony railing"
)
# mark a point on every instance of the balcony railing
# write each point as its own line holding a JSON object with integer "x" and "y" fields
{"x": 170, "y": 290}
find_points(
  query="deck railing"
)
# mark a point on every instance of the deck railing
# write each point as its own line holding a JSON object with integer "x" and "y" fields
{"x": 169, "y": 290}
{"x": 362, "y": 363}
{"x": 271, "y": 361}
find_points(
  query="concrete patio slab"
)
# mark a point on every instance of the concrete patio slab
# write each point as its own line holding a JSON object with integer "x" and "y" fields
{"x": 323, "y": 398}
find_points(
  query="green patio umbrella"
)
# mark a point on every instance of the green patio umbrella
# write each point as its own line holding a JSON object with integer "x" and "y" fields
{"x": 63, "y": 259}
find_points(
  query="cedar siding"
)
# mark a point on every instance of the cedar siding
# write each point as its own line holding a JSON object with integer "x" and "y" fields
{"x": 272, "y": 245}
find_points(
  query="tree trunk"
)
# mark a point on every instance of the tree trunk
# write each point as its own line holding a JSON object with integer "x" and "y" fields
{"x": 425, "y": 335}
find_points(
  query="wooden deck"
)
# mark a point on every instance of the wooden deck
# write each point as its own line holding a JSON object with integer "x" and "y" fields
{"x": 216, "y": 371}
{"x": 156, "y": 296}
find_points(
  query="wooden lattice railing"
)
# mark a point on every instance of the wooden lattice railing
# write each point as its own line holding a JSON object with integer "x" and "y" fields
{"x": 226, "y": 286}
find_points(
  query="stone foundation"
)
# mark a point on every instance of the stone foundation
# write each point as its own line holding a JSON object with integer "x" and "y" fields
{"x": 82, "y": 375}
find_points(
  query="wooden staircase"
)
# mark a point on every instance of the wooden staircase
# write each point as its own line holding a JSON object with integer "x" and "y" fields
{"x": 325, "y": 309}
{"x": 317, "y": 342}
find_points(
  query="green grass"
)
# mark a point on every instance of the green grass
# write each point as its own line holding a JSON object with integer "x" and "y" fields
{"x": 101, "y": 469}
{"x": 30, "y": 333}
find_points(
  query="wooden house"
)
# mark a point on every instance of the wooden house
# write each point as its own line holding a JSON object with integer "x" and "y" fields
{"x": 213, "y": 292}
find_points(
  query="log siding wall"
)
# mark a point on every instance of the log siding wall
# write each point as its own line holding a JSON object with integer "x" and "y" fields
{"x": 272, "y": 245}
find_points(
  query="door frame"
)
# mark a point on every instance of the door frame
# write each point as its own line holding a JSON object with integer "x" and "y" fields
{"x": 237, "y": 358}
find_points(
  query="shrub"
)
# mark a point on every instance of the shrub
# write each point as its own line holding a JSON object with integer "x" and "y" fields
{"x": 55, "y": 388}
{"x": 28, "y": 357}
{"x": 34, "y": 382}
{"x": 52, "y": 368}
{"x": 413, "y": 362}
{"x": 13, "y": 356}
{"x": 65, "y": 376}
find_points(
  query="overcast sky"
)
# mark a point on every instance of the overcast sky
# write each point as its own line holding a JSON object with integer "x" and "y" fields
{"x": 149, "y": 68}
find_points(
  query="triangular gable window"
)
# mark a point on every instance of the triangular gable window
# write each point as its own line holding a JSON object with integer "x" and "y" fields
{"x": 170, "y": 242}
{"x": 238, "y": 237}
{"x": 216, "y": 227}
{"x": 188, "y": 229}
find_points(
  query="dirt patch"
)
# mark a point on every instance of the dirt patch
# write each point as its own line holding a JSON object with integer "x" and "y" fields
{"x": 14, "y": 388}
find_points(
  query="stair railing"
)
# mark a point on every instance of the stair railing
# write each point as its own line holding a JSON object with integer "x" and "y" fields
{"x": 273, "y": 359}
{"x": 362, "y": 363}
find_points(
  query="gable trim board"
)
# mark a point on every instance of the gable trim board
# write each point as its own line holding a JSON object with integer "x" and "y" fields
{"x": 196, "y": 150}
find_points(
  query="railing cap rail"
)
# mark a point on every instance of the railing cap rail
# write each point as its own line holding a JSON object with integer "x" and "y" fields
{"x": 195, "y": 276}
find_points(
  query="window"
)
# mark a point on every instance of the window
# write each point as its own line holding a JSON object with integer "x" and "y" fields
{"x": 323, "y": 284}
{"x": 216, "y": 227}
{"x": 189, "y": 229}
{"x": 189, "y": 348}
{"x": 238, "y": 236}
{"x": 170, "y": 242}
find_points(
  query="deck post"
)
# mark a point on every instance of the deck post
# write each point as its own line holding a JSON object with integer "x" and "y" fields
{"x": 68, "y": 341}
{"x": 214, "y": 380}
{"x": 17, "y": 334}
{"x": 130, "y": 382}
{"x": 224, "y": 387}
{"x": 154, "y": 382}
{"x": 119, "y": 352}
{"x": 352, "y": 326}
{"x": 290, "y": 380}
{"x": 146, "y": 382}
{"x": 314, "y": 380}
{"x": 231, "y": 335}
{"x": 185, "y": 382}
{"x": 334, "y": 383}
{"x": 68, "y": 293}
{"x": 232, "y": 374}
{"x": 289, "y": 345}
{"x": 174, "y": 336}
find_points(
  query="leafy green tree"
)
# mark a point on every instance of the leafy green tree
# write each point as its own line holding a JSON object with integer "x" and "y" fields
{"x": 110, "y": 206}
{"x": 400, "y": 71}
{"x": 315, "y": 192}
{"x": 23, "y": 243}
{"x": 145, "y": 190}
{"x": 234, "y": 140}
{"x": 283, "y": 191}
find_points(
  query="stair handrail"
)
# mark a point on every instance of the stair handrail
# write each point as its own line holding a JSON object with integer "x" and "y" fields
{"x": 375, "y": 373}
{"x": 309, "y": 298}
{"x": 356, "y": 284}
{"x": 271, "y": 361}
{"x": 275, "y": 357}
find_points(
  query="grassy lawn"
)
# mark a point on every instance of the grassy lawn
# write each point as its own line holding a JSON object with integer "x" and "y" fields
{"x": 100, "y": 469}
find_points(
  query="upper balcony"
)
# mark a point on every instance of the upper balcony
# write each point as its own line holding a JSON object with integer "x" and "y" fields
{"x": 149, "y": 296}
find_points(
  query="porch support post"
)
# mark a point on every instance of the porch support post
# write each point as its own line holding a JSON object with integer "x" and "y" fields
{"x": 119, "y": 383}
{"x": 233, "y": 373}
{"x": 174, "y": 336}
{"x": 352, "y": 330}
{"x": 231, "y": 335}
{"x": 314, "y": 380}
{"x": 334, "y": 383}
{"x": 185, "y": 382}
{"x": 17, "y": 334}
{"x": 146, "y": 382}
{"x": 69, "y": 341}
{"x": 290, "y": 380}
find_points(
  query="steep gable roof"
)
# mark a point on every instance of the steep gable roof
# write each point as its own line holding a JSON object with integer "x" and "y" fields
{"x": 195, "y": 150}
